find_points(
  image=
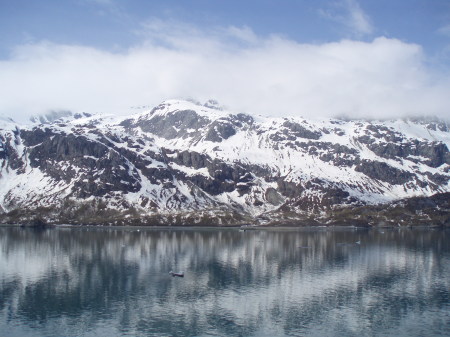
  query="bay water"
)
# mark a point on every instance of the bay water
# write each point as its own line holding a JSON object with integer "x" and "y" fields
{"x": 89, "y": 281}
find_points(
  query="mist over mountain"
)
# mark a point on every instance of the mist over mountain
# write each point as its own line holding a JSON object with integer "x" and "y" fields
{"x": 268, "y": 75}
{"x": 186, "y": 163}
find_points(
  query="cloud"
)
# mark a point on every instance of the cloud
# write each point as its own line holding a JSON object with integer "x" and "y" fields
{"x": 267, "y": 75}
{"x": 101, "y": 2}
{"x": 444, "y": 30}
{"x": 359, "y": 20}
{"x": 349, "y": 14}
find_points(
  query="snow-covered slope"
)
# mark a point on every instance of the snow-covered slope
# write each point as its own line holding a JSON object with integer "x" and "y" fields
{"x": 184, "y": 162}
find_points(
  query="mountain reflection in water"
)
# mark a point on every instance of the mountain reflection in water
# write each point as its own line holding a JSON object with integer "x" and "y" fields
{"x": 109, "y": 282}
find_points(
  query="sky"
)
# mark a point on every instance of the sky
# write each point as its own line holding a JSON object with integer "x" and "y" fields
{"x": 327, "y": 58}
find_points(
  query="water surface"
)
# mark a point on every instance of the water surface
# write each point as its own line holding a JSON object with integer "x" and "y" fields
{"x": 112, "y": 282}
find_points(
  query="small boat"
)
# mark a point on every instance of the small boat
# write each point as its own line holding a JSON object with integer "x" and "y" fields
{"x": 179, "y": 274}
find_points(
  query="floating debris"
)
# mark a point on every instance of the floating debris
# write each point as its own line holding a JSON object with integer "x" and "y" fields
{"x": 179, "y": 274}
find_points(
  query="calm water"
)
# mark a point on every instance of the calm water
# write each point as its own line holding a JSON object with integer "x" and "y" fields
{"x": 112, "y": 282}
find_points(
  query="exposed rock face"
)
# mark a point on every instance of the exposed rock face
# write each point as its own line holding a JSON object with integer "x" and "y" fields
{"x": 220, "y": 130}
{"x": 294, "y": 130}
{"x": 183, "y": 163}
{"x": 383, "y": 172}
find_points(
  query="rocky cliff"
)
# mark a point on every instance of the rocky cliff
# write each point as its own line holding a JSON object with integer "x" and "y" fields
{"x": 184, "y": 163}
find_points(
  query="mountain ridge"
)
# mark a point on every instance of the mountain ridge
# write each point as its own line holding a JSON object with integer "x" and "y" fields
{"x": 187, "y": 163}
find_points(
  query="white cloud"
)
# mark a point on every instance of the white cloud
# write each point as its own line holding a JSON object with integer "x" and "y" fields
{"x": 359, "y": 20}
{"x": 101, "y": 2}
{"x": 267, "y": 75}
{"x": 349, "y": 14}
{"x": 444, "y": 30}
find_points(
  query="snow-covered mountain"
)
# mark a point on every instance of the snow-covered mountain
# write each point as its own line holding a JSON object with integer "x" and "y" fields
{"x": 186, "y": 163}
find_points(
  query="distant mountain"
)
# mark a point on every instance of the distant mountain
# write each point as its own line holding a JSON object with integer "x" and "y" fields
{"x": 184, "y": 163}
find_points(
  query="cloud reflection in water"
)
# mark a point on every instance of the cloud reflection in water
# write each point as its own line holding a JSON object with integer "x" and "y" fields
{"x": 115, "y": 282}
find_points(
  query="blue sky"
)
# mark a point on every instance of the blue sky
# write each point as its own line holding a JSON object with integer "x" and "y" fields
{"x": 321, "y": 57}
{"x": 113, "y": 24}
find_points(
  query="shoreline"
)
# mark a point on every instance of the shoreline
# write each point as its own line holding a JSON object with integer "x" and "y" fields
{"x": 237, "y": 227}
